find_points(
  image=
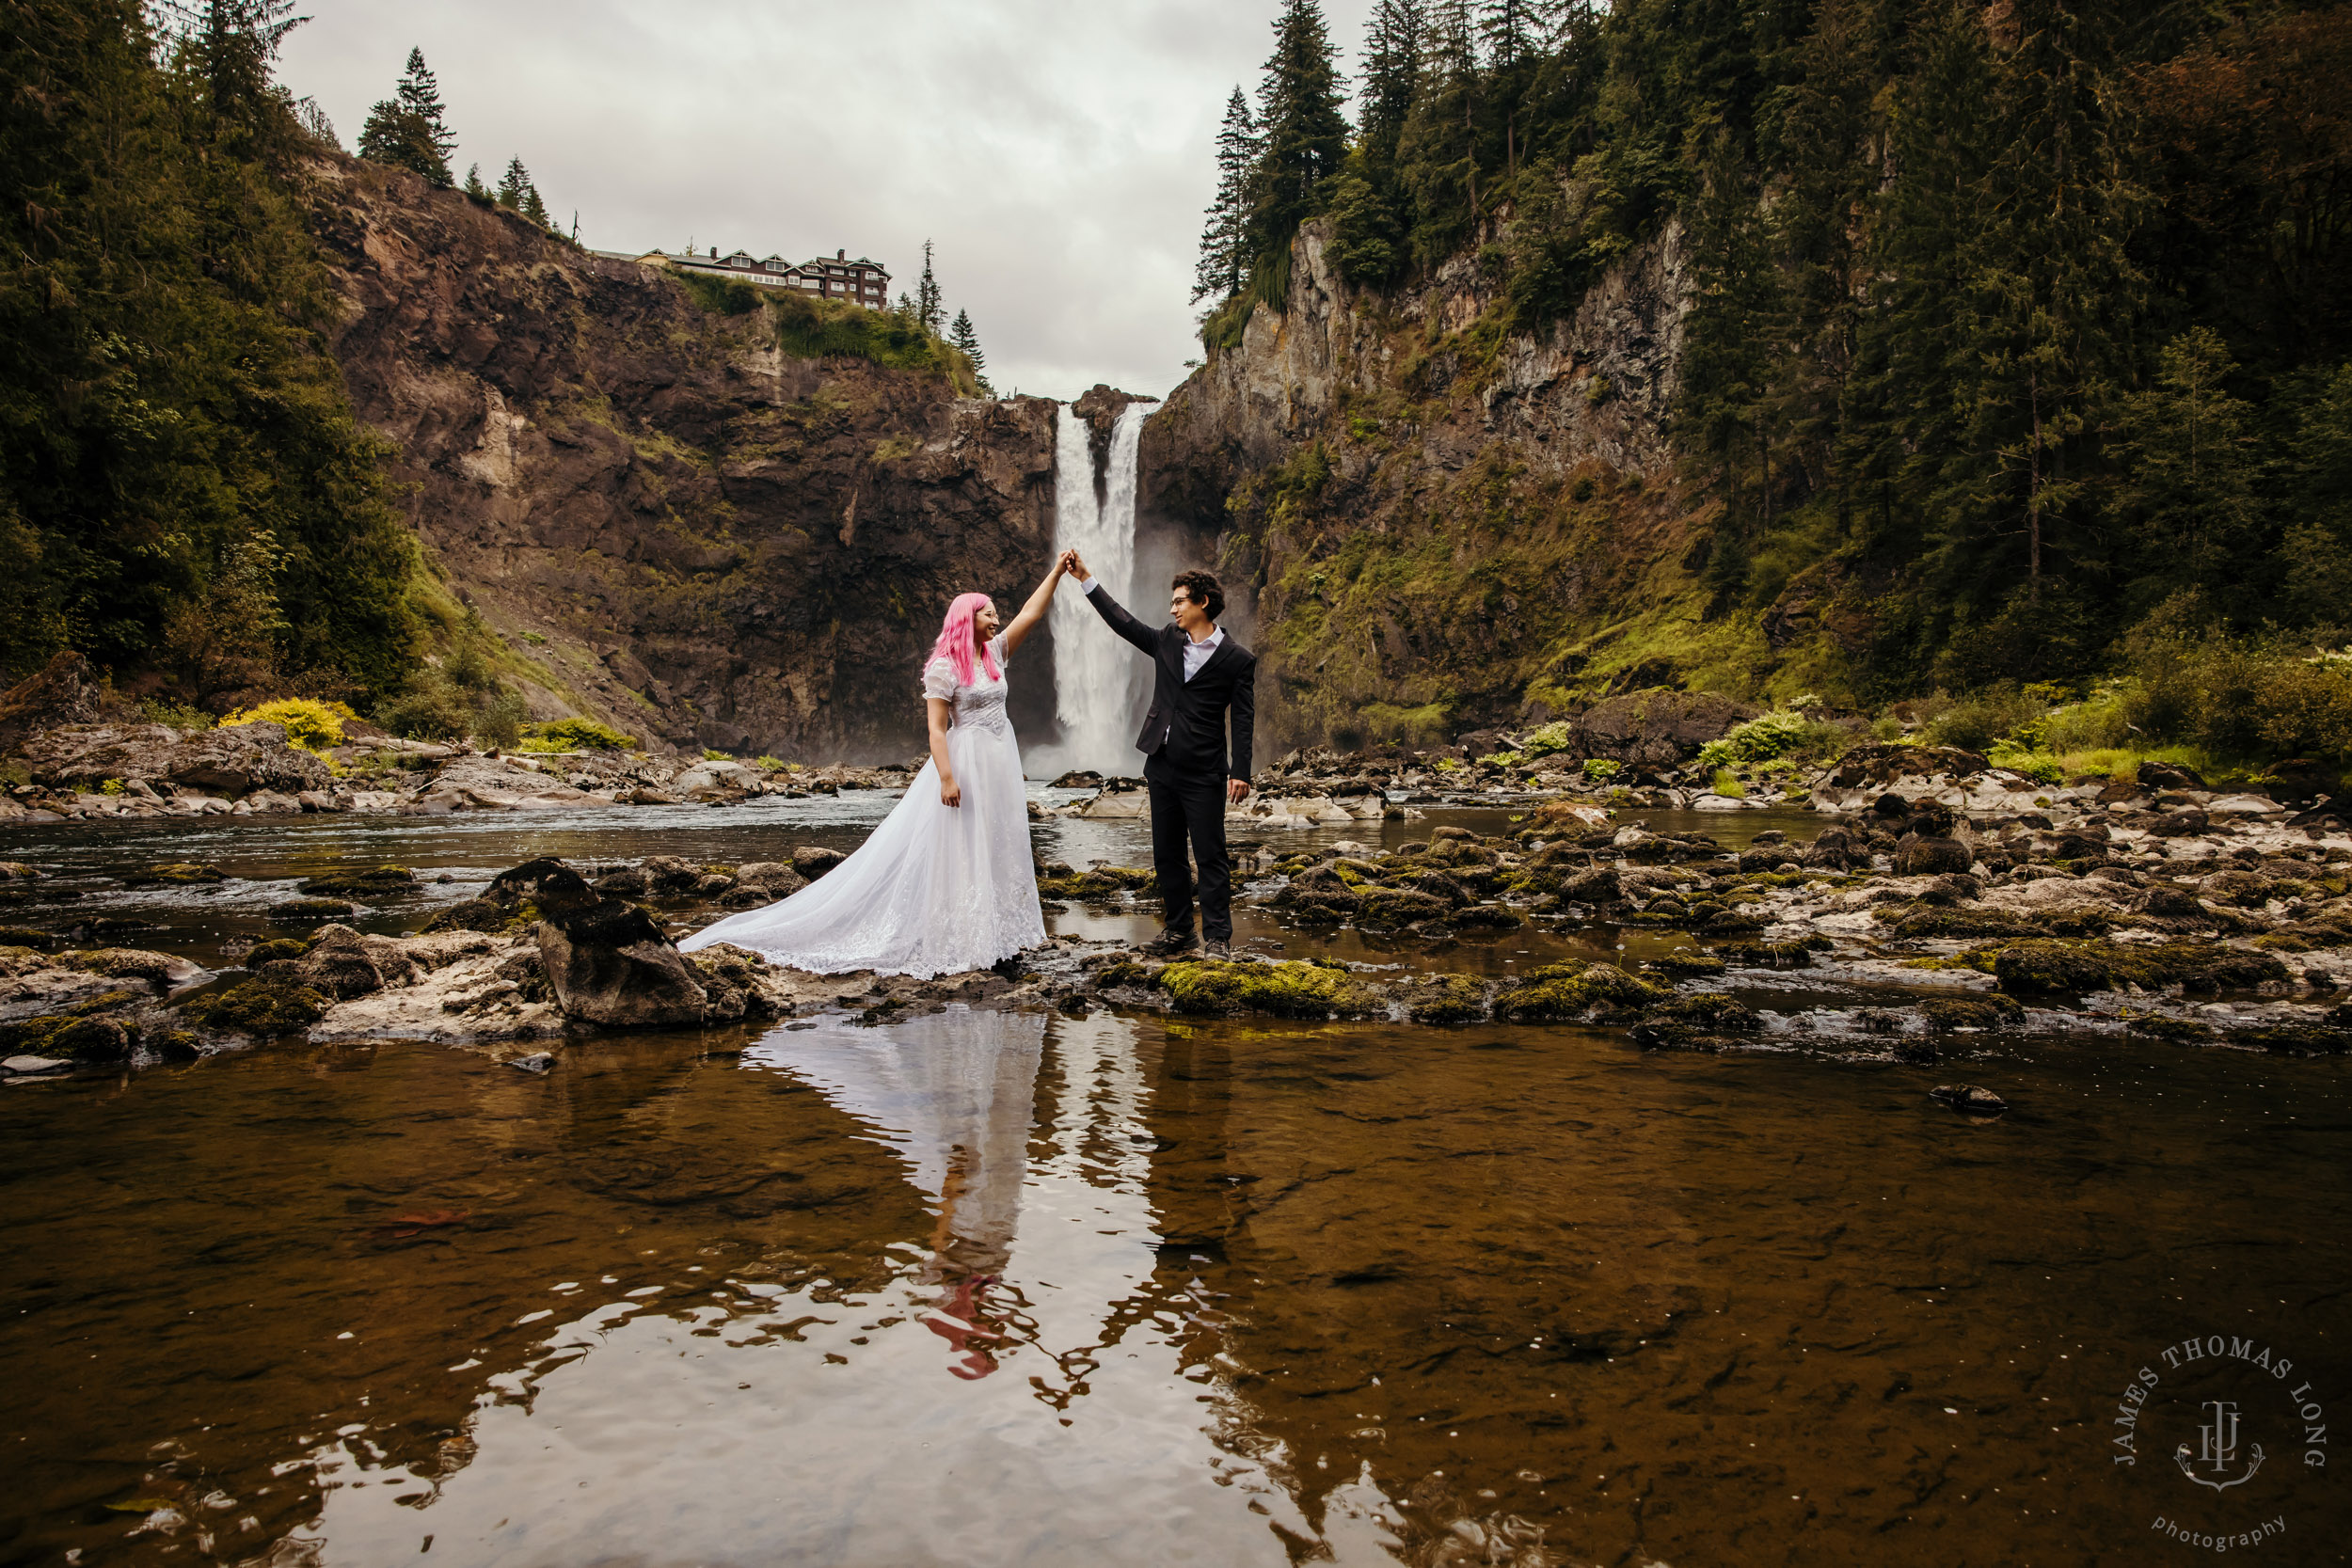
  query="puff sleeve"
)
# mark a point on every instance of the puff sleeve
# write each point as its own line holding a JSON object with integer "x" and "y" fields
{"x": 939, "y": 680}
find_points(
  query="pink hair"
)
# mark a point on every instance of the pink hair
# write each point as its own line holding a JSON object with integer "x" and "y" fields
{"x": 955, "y": 639}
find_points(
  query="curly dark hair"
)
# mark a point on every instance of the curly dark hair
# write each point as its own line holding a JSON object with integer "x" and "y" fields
{"x": 1201, "y": 588}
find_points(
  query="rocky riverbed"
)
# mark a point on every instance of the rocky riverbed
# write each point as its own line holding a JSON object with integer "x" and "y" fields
{"x": 1920, "y": 905}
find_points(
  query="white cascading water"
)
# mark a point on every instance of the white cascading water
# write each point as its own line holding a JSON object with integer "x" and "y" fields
{"x": 1095, "y": 673}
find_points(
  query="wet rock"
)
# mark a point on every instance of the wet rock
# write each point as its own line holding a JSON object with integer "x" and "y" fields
{"x": 538, "y": 1063}
{"x": 2041, "y": 968}
{"x": 1291, "y": 989}
{"x": 1969, "y": 1097}
{"x": 1658, "y": 728}
{"x": 1946, "y": 1014}
{"x": 177, "y": 874}
{"x": 1574, "y": 992}
{"x": 381, "y": 881}
{"x": 29, "y": 1065}
{"x": 296, "y": 910}
{"x": 472, "y": 914}
{"x": 1445, "y": 998}
{"x": 606, "y": 961}
{"x": 2185, "y": 822}
{"x": 812, "y": 861}
{"x": 1394, "y": 907}
{"x": 1078, "y": 777}
{"x": 264, "y": 1007}
{"x": 1917, "y": 856}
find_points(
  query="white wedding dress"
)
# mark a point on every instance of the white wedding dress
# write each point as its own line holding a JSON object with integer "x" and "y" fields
{"x": 936, "y": 889}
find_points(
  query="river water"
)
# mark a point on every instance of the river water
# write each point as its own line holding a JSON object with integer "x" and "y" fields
{"x": 1005, "y": 1288}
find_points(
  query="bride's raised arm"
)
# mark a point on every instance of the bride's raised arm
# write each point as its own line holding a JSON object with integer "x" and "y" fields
{"x": 1040, "y": 602}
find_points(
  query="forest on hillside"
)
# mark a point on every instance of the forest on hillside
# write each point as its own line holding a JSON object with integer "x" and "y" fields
{"x": 2023, "y": 322}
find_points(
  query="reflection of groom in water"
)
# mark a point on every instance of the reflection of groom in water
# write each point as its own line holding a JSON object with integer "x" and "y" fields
{"x": 1198, "y": 673}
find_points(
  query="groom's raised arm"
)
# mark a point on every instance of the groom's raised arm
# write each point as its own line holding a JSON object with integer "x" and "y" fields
{"x": 1121, "y": 622}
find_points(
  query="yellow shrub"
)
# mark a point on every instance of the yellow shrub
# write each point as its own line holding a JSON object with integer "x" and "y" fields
{"x": 310, "y": 723}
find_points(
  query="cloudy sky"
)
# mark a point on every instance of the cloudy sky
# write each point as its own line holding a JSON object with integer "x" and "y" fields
{"x": 1057, "y": 153}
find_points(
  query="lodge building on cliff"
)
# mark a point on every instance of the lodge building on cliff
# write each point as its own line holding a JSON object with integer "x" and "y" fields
{"x": 836, "y": 276}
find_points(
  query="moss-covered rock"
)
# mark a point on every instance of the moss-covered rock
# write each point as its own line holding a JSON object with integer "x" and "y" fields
{"x": 1561, "y": 993}
{"x": 380, "y": 882}
{"x": 28, "y": 937}
{"x": 1290, "y": 990}
{"x": 1946, "y": 1014}
{"x": 1391, "y": 907}
{"x": 1711, "y": 1012}
{"x": 2293, "y": 1039}
{"x": 264, "y": 1007}
{"x": 73, "y": 1034}
{"x": 1445, "y": 999}
{"x": 274, "y": 949}
{"x": 1686, "y": 964}
{"x": 2068, "y": 965}
{"x": 2178, "y": 1031}
{"x": 177, "y": 874}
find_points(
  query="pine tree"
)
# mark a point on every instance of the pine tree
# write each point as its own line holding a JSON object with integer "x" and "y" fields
{"x": 395, "y": 136}
{"x": 929, "y": 308}
{"x": 963, "y": 338}
{"x": 421, "y": 95}
{"x": 1303, "y": 132}
{"x": 1392, "y": 70}
{"x": 408, "y": 130}
{"x": 515, "y": 190}
{"x": 1224, "y": 233}
{"x": 1438, "y": 158}
{"x": 474, "y": 188}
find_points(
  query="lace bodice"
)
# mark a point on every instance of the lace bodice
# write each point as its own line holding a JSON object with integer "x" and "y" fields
{"x": 979, "y": 705}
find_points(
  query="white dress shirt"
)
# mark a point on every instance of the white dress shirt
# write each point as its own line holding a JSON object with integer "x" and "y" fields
{"x": 1196, "y": 653}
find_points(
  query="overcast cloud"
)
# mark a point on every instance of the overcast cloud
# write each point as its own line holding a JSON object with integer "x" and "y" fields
{"x": 1057, "y": 153}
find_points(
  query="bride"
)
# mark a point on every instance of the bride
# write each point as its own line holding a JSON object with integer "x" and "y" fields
{"x": 947, "y": 882}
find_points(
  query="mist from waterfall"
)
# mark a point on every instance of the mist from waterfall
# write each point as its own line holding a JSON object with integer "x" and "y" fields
{"x": 1095, "y": 673}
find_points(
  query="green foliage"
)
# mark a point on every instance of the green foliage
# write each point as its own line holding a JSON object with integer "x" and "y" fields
{"x": 1601, "y": 769}
{"x": 817, "y": 329}
{"x": 179, "y": 716}
{"x": 460, "y": 697}
{"x": 575, "y": 735}
{"x": 1780, "y": 732}
{"x": 408, "y": 130}
{"x": 710, "y": 756}
{"x": 721, "y": 296}
{"x": 312, "y": 724}
{"x": 182, "y": 484}
{"x": 1547, "y": 739}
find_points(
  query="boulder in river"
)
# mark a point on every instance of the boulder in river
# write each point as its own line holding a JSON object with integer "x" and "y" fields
{"x": 606, "y": 961}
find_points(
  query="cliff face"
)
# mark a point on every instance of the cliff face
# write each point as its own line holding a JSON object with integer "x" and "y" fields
{"x": 1445, "y": 526}
{"x": 699, "y": 538}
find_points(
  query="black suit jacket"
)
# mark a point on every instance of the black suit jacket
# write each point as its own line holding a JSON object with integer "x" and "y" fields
{"x": 1186, "y": 725}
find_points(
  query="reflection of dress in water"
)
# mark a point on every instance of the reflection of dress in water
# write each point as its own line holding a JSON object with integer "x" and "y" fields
{"x": 953, "y": 1093}
{"x": 936, "y": 889}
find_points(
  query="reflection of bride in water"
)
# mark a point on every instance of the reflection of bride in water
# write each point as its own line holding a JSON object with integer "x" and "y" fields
{"x": 953, "y": 1093}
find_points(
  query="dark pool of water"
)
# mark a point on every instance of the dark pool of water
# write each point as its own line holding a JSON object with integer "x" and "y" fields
{"x": 990, "y": 1289}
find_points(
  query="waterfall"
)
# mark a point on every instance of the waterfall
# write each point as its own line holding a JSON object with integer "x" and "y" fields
{"x": 1095, "y": 673}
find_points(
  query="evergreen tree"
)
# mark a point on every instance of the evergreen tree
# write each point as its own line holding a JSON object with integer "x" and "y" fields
{"x": 515, "y": 190}
{"x": 1390, "y": 71}
{"x": 962, "y": 338}
{"x": 421, "y": 96}
{"x": 1303, "y": 133}
{"x": 929, "y": 308}
{"x": 1438, "y": 158}
{"x": 474, "y": 188}
{"x": 1224, "y": 233}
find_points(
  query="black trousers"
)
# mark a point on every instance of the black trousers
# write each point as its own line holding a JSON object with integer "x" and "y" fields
{"x": 1190, "y": 807}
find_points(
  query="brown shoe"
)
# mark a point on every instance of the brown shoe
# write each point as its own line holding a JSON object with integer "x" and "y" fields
{"x": 1169, "y": 943}
{"x": 1221, "y": 951}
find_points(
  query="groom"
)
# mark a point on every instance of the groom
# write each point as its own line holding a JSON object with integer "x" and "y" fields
{"x": 1198, "y": 673}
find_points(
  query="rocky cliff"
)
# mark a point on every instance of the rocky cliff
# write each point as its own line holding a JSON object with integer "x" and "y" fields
{"x": 1446, "y": 525}
{"x": 691, "y": 533}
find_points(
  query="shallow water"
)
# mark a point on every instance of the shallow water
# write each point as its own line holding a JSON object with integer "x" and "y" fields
{"x": 978, "y": 1287}
{"x": 981, "y": 1288}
